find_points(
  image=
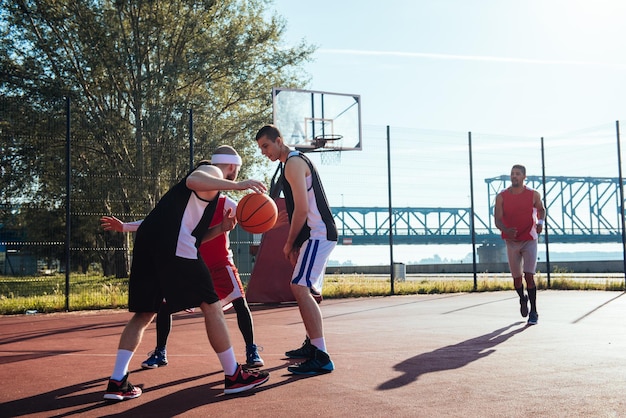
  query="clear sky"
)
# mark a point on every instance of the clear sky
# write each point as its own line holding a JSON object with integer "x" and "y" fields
{"x": 532, "y": 67}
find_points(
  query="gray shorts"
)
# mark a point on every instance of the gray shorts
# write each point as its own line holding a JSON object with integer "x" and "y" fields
{"x": 522, "y": 257}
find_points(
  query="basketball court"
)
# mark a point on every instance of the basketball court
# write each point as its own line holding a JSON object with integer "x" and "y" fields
{"x": 453, "y": 355}
{"x": 463, "y": 355}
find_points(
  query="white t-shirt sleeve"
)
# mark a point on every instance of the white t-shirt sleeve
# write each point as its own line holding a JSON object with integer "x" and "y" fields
{"x": 230, "y": 204}
{"x": 131, "y": 226}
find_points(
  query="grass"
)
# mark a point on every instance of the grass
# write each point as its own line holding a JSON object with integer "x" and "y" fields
{"x": 46, "y": 294}
{"x": 354, "y": 285}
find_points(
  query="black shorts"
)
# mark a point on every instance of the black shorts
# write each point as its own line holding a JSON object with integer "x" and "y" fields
{"x": 182, "y": 282}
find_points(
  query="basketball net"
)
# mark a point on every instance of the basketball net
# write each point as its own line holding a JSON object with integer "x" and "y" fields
{"x": 330, "y": 157}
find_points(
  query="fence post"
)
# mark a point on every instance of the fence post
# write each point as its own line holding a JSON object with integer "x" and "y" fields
{"x": 391, "y": 265}
{"x": 190, "y": 139}
{"x": 472, "y": 226}
{"x": 621, "y": 196}
{"x": 545, "y": 224}
{"x": 68, "y": 183}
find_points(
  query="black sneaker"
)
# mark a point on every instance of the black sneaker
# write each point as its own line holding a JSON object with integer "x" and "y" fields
{"x": 523, "y": 306}
{"x": 306, "y": 351}
{"x": 244, "y": 380}
{"x": 320, "y": 363}
{"x": 533, "y": 318}
{"x": 121, "y": 390}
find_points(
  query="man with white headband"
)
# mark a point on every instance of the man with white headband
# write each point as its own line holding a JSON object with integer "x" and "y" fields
{"x": 225, "y": 158}
{"x": 216, "y": 253}
{"x": 167, "y": 265}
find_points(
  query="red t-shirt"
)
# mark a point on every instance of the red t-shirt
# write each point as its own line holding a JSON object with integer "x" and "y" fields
{"x": 518, "y": 211}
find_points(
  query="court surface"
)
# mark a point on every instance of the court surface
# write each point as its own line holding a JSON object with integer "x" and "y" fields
{"x": 453, "y": 355}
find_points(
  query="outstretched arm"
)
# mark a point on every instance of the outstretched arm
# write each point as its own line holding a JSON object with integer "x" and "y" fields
{"x": 111, "y": 223}
{"x": 208, "y": 179}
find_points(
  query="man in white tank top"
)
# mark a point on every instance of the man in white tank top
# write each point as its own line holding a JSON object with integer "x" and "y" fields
{"x": 312, "y": 237}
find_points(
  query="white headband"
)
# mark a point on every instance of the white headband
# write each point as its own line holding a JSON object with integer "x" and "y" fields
{"x": 226, "y": 159}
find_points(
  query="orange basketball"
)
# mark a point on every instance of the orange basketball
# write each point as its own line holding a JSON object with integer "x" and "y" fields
{"x": 256, "y": 213}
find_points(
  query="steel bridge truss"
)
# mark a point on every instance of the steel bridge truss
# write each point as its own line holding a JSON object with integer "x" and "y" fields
{"x": 579, "y": 210}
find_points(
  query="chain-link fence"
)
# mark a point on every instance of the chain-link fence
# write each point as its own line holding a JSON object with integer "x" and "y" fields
{"x": 418, "y": 196}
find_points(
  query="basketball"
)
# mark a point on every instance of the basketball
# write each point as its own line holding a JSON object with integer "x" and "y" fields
{"x": 256, "y": 213}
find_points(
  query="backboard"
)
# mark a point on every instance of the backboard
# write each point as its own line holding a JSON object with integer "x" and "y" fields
{"x": 317, "y": 120}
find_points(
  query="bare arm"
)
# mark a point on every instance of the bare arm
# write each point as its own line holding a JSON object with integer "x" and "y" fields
{"x": 207, "y": 180}
{"x": 295, "y": 173}
{"x": 541, "y": 211}
{"x": 111, "y": 223}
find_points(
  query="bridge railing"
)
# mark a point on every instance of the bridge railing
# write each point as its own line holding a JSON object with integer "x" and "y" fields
{"x": 371, "y": 226}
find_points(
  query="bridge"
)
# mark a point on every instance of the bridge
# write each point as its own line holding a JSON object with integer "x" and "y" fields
{"x": 579, "y": 210}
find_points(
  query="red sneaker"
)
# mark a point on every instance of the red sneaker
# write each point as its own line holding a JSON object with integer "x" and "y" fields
{"x": 244, "y": 380}
{"x": 121, "y": 390}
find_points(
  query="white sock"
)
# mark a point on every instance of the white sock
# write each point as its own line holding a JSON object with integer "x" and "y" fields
{"x": 121, "y": 364}
{"x": 320, "y": 343}
{"x": 228, "y": 361}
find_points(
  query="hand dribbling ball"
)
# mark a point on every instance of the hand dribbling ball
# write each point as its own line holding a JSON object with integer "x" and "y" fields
{"x": 256, "y": 213}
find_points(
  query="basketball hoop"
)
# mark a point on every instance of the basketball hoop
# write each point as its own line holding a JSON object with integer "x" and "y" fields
{"x": 320, "y": 141}
{"x": 330, "y": 155}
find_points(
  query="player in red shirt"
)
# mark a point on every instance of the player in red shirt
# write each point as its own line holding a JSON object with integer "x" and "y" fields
{"x": 519, "y": 215}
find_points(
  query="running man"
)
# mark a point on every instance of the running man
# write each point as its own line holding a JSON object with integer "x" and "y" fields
{"x": 519, "y": 215}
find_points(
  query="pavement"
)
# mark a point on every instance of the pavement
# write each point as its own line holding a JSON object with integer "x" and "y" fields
{"x": 447, "y": 355}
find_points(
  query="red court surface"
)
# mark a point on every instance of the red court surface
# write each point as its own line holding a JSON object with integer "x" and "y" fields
{"x": 453, "y": 355}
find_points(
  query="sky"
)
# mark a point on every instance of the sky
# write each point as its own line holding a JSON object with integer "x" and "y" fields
{"x": 519, "y": 68}
{"x": 532, "y": 67}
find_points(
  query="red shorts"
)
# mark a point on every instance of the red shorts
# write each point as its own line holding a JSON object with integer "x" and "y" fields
{"x": 227, "y": 284}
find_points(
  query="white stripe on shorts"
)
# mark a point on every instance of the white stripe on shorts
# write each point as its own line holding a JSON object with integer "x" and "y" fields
{"x": 312, "y": 260}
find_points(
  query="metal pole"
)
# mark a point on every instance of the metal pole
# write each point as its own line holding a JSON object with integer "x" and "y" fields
{"x": 68, "y": 184}
{"x": 190, "y": 139}
{"x": 393, "y": 273}
{"x": 545, "y": 223}
{"x": 472, "y": 226}
{"x": 621, "y": 196}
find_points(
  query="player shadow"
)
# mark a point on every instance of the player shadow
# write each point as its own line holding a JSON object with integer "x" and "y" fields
{"x": 179, "y": 402}
{"x": 26, "y": 355}
{"x": 591, "y": 312}
{"x": 82, "y": 398}
{"x": 22, "y": 335}
{"x": 450, "y": 357}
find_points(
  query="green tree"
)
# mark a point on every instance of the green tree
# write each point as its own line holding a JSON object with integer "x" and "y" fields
{"x": 133, "y": 70}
